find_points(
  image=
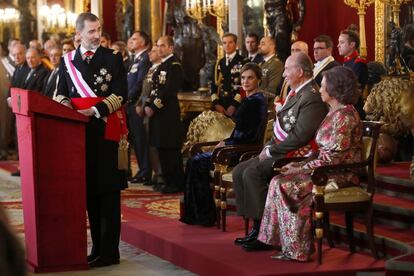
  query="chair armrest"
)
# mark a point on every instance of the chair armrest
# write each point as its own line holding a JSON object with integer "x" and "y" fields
{"x": 224, "y": 155}
{"x": 248, "y": 155}
{"x": 281, "y": 162}
{"x": 320, "y": 174}
{"x": 197, "y": 148}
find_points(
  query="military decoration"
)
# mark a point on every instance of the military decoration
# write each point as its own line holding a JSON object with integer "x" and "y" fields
{"x": 289, "y": 120}
{"x": 162, "y": 77}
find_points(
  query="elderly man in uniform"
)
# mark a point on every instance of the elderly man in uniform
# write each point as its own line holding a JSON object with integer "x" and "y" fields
{"x": 93, "y": 81}
{"x": 165, "y": 129}
{"x": 295, "y": 127}
{"x": 225, "y": 87}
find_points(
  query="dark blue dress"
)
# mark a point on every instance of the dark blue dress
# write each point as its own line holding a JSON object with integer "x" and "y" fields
{"x": 199, "y": 207}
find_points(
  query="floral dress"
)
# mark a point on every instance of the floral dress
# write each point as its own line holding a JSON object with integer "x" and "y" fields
{"x": 287, "y": 216}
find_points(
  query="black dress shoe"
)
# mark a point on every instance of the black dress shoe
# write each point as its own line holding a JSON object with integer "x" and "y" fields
{"x": 92, "y": 258}
{"x": 100, "y": 262}
{"x": 140, "y": 179}
{"x": 171, "y": 190}
{"x": 16, "y": 173}
{"x": 250, "y": 237}
{"x": 158, "y": 187}
{"x": 256, "y": 245}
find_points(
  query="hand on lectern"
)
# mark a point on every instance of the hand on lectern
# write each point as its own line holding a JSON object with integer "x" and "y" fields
{"x": 87, "y": 112}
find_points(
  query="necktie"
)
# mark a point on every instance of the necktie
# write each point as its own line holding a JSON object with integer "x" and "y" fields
{"x": 88, "y": 56}
{"x": 52, "y": 75}
{"x": 29, "y": 75}
{"x": 228, "y": 60}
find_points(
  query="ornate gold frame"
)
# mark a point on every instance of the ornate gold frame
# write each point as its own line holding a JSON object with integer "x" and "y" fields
{"x": 379, "y": 31}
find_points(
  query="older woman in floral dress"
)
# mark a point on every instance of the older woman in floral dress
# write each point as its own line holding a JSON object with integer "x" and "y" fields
{"x": 287, "y": 216}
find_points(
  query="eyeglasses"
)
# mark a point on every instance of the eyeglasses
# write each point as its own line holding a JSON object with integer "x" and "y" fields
{"x": 319, "y": 48}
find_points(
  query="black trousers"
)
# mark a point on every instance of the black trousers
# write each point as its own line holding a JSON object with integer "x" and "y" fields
{"x": 171, "y": 161}
{"x": 104, "y": 213}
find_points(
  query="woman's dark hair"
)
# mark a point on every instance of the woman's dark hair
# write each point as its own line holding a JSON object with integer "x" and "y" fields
{"x": 254, "y": 67}
{"x": 353, "y": 36}
{"x": 342, "y": 84}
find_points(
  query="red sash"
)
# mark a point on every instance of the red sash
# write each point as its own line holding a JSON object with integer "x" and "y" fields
{"x": 116, "y": 126}
{"x": 303, "y": 151}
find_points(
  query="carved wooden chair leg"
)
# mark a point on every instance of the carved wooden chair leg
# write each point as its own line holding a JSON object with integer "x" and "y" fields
{"x": 217, "y": 201}
{"x": 349, "y": 219}
{"x": 370, "y": 232}
{"x": 319, "y": 234}
{"x": 327, "y": 233}
{"x": 246, "y": 226}
{"x": 223, "y": 204}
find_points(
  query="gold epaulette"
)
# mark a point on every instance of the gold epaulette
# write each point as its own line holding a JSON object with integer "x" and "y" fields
{"x": 61, "y": 99}
{"x": 237, "y": 98}
{"x": 158, "y": 103}
{"x": 113, "y": 102}
{"x": 176, "y": 62}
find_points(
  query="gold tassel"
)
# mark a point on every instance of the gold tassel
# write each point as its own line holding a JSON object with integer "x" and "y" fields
{"x": 123, "y": 153}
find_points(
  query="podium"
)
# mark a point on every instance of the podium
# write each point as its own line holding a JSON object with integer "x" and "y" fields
{"x": 51, "y": 139}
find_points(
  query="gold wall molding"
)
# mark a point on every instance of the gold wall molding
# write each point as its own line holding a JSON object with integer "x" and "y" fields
{"x": 379, "y": 31}
{"x": 137, "y": 14}
{"x": 156, "y": 20}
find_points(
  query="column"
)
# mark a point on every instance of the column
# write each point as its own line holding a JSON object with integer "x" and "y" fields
{"x": 236, "y": 20}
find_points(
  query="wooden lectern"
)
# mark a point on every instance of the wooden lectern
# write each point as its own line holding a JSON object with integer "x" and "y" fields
{"x": 51, "y": 139}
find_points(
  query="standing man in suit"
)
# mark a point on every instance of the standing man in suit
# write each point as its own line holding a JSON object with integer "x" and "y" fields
{"x": 272, "y": 67}
{"x": 295, "y": 127}
{"x": 322, "y": 52}
{"x": 252, "y": 46}
{"x": 136, "y": 75}
{"x": 225, "y": 87}
{"x": 93, "y": 80}
{"x": 38, "y": 72}
{"x": 165, "y": 128}
{"x": 52, "y": 79}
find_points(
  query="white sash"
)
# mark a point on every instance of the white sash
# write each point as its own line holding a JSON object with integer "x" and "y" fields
{"x": 279, "y": 132}
{"x": 318, "y": 69}
{"x": 9, "y": 68}
{"x": 82, "y": 87}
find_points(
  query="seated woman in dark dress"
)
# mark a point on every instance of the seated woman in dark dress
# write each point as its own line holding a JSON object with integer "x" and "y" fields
{"x": 250, "y": 118}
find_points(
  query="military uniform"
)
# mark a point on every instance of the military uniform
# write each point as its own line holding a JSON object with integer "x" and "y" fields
{"x": 106, "y": 77}
{"x": 165, "y": 128}
{"x": 136, "y": 75}
{"x": 300, "y": 118}
{"x": 360, "y": 68}
{"x": 225, "y": 88}
{"x": 272, "y": 71}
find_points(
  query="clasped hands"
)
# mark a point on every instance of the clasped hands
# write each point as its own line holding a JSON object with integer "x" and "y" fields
{"x": 228, "y": 112}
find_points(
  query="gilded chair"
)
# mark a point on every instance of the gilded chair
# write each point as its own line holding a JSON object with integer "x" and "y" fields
{"x": 351, "y": 200}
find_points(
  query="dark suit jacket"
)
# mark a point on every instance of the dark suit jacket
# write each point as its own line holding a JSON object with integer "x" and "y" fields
{"x": 308, "y": 110}
{"x": 106, "y": 76}
{"x": 36, "y": 80}
{"x": 19, "y": 76}
{"x": 136, "y": 75}
{"x": 165, "y": 129}
{"x": 50, "y": 83}
{"x": 257, "y": 59}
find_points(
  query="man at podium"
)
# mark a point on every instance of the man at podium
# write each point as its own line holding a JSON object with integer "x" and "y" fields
{"x": 93, "y": 80}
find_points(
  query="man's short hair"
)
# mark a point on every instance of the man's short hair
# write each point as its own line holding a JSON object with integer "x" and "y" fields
{"x": 145, "y": 36}
{"x": 353, "y": 35}
{"x": 11, "y": 41}
{"x": 231, "y": 35}
{"x": 256, "y": 37}
{"x": 304, "y": 62}
{"x": 80, "y": 21}
{"x": 170, "y": 40}
{"x": 325, "y": 39}
{"x": 37, "y": 51}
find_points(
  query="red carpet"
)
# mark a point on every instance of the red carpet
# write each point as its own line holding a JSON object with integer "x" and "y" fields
{"x": 395, "y": 169}
{"x": 208, "y": 251}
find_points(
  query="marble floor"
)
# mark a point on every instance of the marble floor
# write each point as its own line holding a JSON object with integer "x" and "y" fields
{"x": 133, "y": 260}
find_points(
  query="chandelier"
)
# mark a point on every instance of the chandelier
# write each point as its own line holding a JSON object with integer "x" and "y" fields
{"x": 8, "y": 13}
{"x": 56, "y": 19}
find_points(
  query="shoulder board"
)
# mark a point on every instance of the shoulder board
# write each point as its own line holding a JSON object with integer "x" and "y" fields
{"x": 360, "y": 60}
{"x": 115, "y": 52}
{"x": 176, "y": 62}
